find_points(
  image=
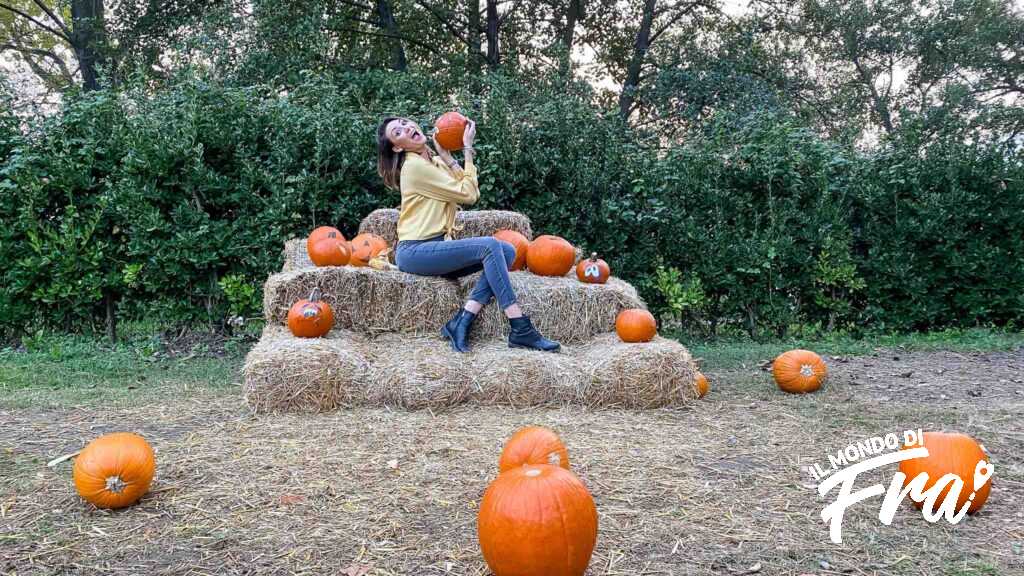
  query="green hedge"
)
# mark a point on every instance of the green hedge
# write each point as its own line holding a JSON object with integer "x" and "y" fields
{"x": 175, "y": 205}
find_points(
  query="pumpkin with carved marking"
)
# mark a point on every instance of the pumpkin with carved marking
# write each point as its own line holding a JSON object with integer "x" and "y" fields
{"x": 537, "y": 520}
{"x": 593, "y": 270}
{"x": 799, "y": 371}
{"x": 951, "y": 453}
{"x": 533, "y": 445}
{"x": 366, "y": 247}
{"x": 114, "y": 470}
{"x": 310, "y": 318}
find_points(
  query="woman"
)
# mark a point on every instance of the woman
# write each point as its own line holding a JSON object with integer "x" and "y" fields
{"x": 432, "y": 186}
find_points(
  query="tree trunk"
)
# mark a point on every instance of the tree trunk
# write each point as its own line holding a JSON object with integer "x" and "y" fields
{"x": 473, "y": 36}
{"x": 387, "y": 19}
{"x": 636, "y": 62}
{"x": 573, "y": 14}
{"x": 87, "y": 28}
{"x": 493, "y": 54}
{"x": 108, "y": 300}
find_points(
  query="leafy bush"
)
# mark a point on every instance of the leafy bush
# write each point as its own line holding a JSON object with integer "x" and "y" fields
{"x": 175, "y": 205}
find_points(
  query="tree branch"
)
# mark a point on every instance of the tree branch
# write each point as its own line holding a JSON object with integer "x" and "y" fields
{"x": 447, "y": 24}
{"x": 37, "y": 22}
{"x": 53, "y": 17}
{"x": 356, "y": 4}
{"x": 397, "y": 37}
{"x": 501, "y": 19}
{"x": 47, "y": 54}
{"x": 674, "y": 19}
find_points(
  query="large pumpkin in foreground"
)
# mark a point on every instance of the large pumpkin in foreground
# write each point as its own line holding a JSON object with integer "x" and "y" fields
{"x": 365, "y": 247}
{"x": 310, "y": 318}
{"x": 521, "y": 244}
{"x": 537, "y": 521}
{"x": 550, "y": 256}
{"x": 799, "y": 371}
{"x": 636, "y": 325}
{"x": 949, "y": 453}
{"x": 533, "y": 445}
{"x": 114, "y": 470}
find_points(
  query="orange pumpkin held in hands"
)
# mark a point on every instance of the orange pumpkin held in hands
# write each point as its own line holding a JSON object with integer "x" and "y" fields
{"x": 702, "y": 385}
{"x": 949, "y": 453}
{"x": 593, "y": 270}
{"x": 533, "y": 445}
{"x": 114, "y": 470}
{"x": 321, "y": 233}
{"x": 451, "y": 127}
{"x": 521, "y": 244}
{"x": 636, "y": 325}
{"x": 329, "y": 252}
{"x": 365, "y": 247}
{"x": 310, "y": 318}
{"x": 537, "y": 520}
{"x": 799, "y": 371}
{"x": 550, "y": 256}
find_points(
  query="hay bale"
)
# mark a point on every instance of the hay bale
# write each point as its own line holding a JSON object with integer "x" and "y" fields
{"x": 284, "y": 373}
{"x": 562, "y": 308}
{"x": 296, "y": 256}
{"x": 366, "y": 300}
{"x": 384, "y": 223}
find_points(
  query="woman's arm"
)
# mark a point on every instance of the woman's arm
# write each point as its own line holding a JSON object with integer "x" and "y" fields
{"x": 459, "y": 186}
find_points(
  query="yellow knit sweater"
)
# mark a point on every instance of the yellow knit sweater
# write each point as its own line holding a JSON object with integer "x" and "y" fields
{"x": 431, "y": 194}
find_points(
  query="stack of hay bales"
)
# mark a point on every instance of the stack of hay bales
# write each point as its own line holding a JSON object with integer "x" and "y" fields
{"x": 386, "y": 349}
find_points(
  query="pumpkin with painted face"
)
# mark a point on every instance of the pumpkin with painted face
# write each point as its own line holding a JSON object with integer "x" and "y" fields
{"x": 310, "y": 318}
{"x": 593, "y": 270}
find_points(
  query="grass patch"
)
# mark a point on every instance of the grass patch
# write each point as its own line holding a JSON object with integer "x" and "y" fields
{"x": 744, "y": 354}
{"x": 66, "y": 369}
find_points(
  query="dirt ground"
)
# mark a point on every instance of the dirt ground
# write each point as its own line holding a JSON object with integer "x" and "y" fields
{"x": 716, "y": 488}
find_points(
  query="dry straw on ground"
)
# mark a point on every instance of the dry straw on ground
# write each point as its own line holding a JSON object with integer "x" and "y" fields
{"x": 284, "y": 373}
{"x": 375, "y": 301}
{"x": 384, "y": 223}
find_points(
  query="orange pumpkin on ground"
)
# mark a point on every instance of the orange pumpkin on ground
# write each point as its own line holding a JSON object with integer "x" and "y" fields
{"x": 329, "y": 252}
{"x": 550, "y": 256}
{"x": 636, "y": 325}
{"x": 533, "y": 445}
{"x": 114, "y": 470}
{"x": 321, "y": 233}
{"x": 537, "y": 520}
{"x": 451, "y": 127}
{"x": 799, "y": 371}
{"x": 365, "y": 247}
{"x": 702, "y": 385}
{"x": 593, "y": 270}
{"x": 521, "y": 244}
{"x": 949, "y": 453}
{"x": 310, "y": 318}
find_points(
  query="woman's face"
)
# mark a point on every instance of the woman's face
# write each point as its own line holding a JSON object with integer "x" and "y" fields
{"x": 405, "y": 135}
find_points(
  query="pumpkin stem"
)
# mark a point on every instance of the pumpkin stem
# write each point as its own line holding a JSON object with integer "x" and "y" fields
{"x": 115, "y": 484}
{"x": 593, "y": 256}
{"x": 314, "y": 296}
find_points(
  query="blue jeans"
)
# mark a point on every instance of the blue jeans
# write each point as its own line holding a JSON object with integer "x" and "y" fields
{"x": 456, "y": 258}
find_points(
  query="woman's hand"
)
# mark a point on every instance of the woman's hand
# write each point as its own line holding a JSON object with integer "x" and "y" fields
{"x": 469, "y": 135}
{"x": 444, "y": 154}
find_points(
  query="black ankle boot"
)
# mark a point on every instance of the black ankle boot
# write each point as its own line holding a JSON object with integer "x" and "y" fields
{"x": 456, "y": 330}
{"x": 524, "y": 335}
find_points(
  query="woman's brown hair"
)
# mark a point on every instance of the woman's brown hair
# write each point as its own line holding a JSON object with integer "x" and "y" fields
{"x": 389, "y": 162}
